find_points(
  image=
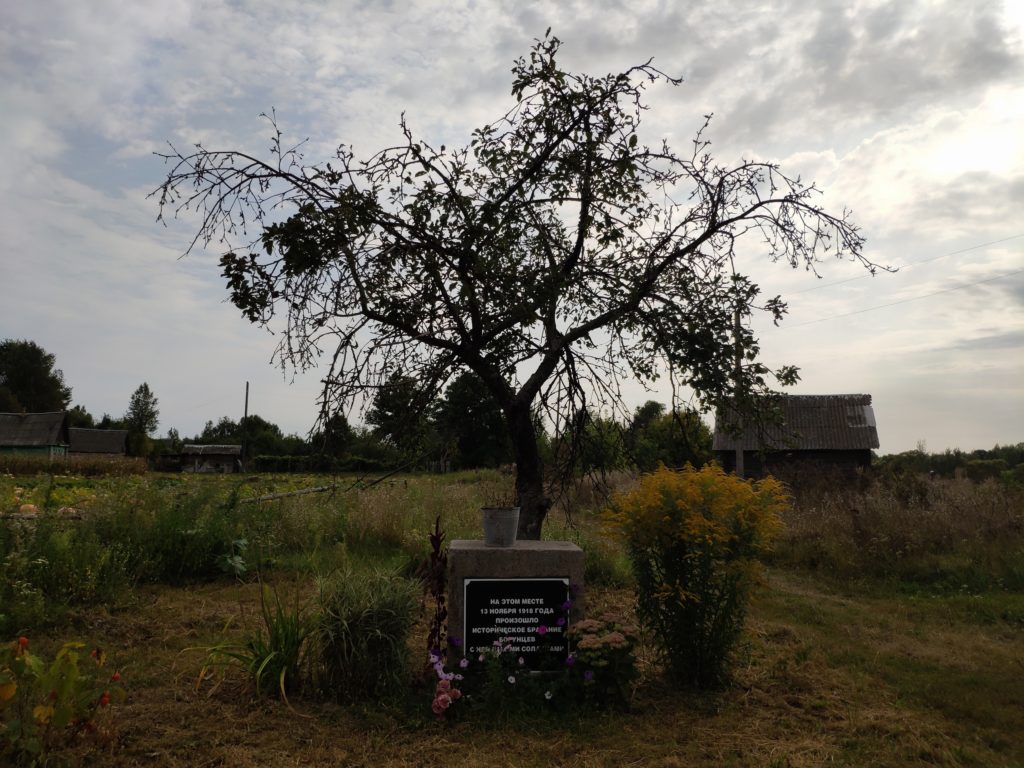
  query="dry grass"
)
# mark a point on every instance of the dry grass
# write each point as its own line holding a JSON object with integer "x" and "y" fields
{"x": 953, "y": 534}
{"x": 821, "y": 680}
{"x": 826, "y": 674}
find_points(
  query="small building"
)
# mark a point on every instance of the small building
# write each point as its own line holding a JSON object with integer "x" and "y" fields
{"x": 211, "y": 458}
{"x": 835, "y": 432}
{"x": 34, "y": 434}
{"x": 98, "y": 442}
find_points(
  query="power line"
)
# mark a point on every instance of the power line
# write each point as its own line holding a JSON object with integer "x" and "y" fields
{"x": 908, "y": 264}
{"x": 905, "y": 301}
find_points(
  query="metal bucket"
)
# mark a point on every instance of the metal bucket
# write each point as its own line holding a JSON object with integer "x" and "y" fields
{"x": 500, "y": 526}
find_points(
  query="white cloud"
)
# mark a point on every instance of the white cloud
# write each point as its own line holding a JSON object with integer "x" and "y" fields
{"x": 910, "y": 113}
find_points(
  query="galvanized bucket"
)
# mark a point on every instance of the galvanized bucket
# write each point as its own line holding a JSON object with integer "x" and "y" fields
{"x": 500, "y": 526}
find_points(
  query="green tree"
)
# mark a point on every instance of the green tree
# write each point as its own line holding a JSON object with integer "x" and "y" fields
{"x": 261, "y": 437}
{"x": 335, "y": 437}
{"x": 470, "y": 423}
{"x": 674, "y": 439}
{"x": 79, "y": 417}
{"x": 226, "y": 430}
{"x": 29, "y": 383}
{"x": 399, "y": 412}
{"x": 142, "y": 416}
{"x": 108, "y": 422}
{"x": 549, "y": 256}
{"x": 141, "y": 420}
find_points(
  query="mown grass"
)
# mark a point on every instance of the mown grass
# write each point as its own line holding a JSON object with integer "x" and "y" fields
{"x": 852, "y": 656}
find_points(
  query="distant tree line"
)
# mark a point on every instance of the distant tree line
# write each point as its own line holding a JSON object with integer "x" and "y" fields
{"x": 1002, "y": 461}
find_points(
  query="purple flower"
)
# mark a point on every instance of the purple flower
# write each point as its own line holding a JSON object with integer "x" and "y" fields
{"x": 561, "y": 621}
{"x": 434, "y": 658}
{"x": 457, "y": 677}
{"x": 570, "y": 660}
{"x": 542, "y": 630}
{"x": 521, "y": 661}
{"x": 567, "y": 605}
{"x": 463, "y": 663}
{"x": 512, "y": 679}
{"x": 456, "y": 641}
{"x": 588, "y": 675}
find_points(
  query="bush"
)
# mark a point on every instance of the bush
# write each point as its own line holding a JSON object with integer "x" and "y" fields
{"x": 693, "y": 538}
{"x": 46, "y": 706}
{"x": 362, "y": 633}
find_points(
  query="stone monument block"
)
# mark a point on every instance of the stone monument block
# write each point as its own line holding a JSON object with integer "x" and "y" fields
{"x": 507, "y": 593}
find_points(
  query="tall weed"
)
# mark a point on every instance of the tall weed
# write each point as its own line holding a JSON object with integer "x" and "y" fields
{"x": 362, "y": 634}
{"x": 944, "y": 534}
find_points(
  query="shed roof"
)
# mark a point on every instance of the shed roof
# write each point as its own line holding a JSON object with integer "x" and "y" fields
{"x": 98, "y": 440}
{"x": 35, "y": 429}
{"x": 211, "y": 450}
{"x": 808, "y": 423}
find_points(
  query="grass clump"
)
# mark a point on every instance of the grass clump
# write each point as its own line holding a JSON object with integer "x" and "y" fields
{"x": 362, "y": 633}
{"x": 275, "y": 657}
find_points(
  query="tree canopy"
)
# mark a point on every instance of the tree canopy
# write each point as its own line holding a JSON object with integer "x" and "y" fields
{"x": 554, "y": 256}
{"x": 29, "y": 382}
{"x": 142, "y": 416}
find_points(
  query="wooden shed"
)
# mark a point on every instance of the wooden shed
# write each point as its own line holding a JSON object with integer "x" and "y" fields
{"x": 98, "y": 442}
{"x": 211, "y": 458}
{"x": 826, "y": 431}
{"x": 35, "y": 434}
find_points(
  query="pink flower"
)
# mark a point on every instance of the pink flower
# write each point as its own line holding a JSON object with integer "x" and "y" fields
{"x": 542, "y": 630}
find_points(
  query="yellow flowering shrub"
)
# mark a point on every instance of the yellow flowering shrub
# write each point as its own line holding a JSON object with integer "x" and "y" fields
{"x": 693, "y": 538}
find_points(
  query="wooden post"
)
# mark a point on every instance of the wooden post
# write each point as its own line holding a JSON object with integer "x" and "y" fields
{"x": 738, "y": 374}
{"x": 245, "y": 426}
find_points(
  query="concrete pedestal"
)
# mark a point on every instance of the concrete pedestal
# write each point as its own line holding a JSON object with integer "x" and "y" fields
{"x": 497, "y": 573}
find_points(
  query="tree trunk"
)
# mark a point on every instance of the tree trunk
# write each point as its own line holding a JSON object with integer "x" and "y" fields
{"x": 533, "y": 501}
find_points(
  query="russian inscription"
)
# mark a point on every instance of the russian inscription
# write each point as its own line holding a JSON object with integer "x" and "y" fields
{"x": 527, "y": 617}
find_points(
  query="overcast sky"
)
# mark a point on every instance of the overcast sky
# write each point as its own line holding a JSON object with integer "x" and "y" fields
{"x": 909, "y": 113}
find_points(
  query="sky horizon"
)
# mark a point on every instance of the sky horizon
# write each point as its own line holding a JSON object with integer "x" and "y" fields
{"x": 910, "y": 114}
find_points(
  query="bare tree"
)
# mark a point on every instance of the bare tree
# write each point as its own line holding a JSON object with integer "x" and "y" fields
{"x": 555, "y": 256}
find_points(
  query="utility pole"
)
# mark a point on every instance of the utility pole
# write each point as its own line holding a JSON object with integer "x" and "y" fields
{"x": 738, "y": 376}
{"x": 245, "y": 424}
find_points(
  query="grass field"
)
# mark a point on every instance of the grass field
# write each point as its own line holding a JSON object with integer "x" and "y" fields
{"x": 860, "y": 661}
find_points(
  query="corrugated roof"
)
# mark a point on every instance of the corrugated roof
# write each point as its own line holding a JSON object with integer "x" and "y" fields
{"x": 211, "y": 450}
{"x": 97, "y": 440}
{"x": 809, "y": 422}
{"x": 36, "y": 429}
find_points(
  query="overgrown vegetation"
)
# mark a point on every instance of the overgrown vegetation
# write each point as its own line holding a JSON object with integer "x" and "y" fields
{"x": 694, "y": 538}
{"x": 46, "y": 705}
{"x": 846, "y": 659}
{"x": 921, "y": 532}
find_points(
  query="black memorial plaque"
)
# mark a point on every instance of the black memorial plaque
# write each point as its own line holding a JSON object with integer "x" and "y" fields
{"x": 512, "y": 610}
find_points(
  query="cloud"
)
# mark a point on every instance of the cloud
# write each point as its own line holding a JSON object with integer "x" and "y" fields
{"x": 908, "y": 112}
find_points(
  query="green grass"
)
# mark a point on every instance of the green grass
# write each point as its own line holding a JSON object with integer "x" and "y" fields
{"x": 852, "y": 656}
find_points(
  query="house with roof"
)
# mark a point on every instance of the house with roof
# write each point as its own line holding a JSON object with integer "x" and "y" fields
{"x": 35, "y": 434}
{"x": 98, "y": 442}
{"x": 793, "y": 431}
{"x": 211, "y": 458}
